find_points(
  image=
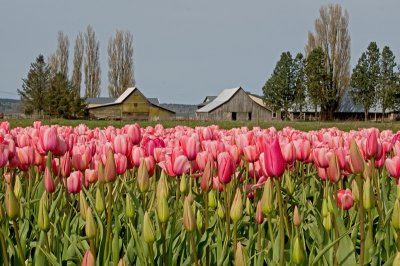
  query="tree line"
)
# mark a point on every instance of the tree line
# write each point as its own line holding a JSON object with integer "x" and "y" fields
{"x": 48, "y": 89}
{"x": 319, "y": 79}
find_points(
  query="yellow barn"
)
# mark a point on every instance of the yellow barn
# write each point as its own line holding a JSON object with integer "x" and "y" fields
{"x": 131, "y": 105}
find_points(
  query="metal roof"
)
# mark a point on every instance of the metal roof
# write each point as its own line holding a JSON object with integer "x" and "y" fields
{"x": 222, "y": 98}
{"x": 154, "y": 101}
{"x": 100, "y": 100}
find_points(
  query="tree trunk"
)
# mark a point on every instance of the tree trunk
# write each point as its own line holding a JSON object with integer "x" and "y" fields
{"x": 366, "y": 114}
{"x": 383, "y": 114}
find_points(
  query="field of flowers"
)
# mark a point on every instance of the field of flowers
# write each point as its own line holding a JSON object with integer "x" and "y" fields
{"x": 198, "y": 196}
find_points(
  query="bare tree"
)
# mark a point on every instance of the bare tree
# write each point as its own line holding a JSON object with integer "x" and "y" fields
{"x": 120, "y": 63}
{"x": 332, "y": 36}
{"x": 78, "y": 59}
{"x": 53, "y": 64}
{"x": 92, "y": 64}
{"x": 62, "y": 53}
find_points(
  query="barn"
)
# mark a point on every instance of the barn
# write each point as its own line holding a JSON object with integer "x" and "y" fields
{"x": 236, "y": 104}
{"x": 131, "y": 105}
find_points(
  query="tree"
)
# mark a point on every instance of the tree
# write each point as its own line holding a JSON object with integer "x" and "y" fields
{"x": 317, "y": 79}
{"x": 332, "y": 36}
{"x": 35, "y": 87}
{"x": 92, "y": 64}
{"x": 279, "y": 90}
{"x": 365, "y": 79}
{"x": 77, "y": 65}
{"x": 62, "y": 53}
{"x": 120, "y": 63}
{"x": 300, "y": 100}
{"x": 59, "y": 96}
{"x": 388, "y": 90}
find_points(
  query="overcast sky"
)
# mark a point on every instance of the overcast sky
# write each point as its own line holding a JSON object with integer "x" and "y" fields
{"x": 185, "y": 50}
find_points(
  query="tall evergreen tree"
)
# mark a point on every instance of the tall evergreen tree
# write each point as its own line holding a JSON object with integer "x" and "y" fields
{"x": 120, "y": 63}
{"x": 365, "y": 79}
{"x": 388, "y": 90}
{"x": 92, "y": 64}
{"x": 317, "y": 79}
{"x": 279, "y": 90}
{"x": 36, "y": 86}
{"x": 59, "y": 97}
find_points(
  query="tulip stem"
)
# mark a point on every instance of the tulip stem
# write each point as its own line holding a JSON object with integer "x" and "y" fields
{"x": 271, "y": 235}
{"x": 398, "y": 240}
{"x": 164, "y": 246}
{"x": 4, "y": 250}
{"x": 259, "y": 238}
{"x": 361, "y": 218}
{"x": 281, "y": 223}
{"x": 92, "y": 247}
{"x": 151, "y": 253}
{"x": 375, "y": 179}
{"x": 196, "y": 262}
{"x": 227, "y": 218}
{"x": 109, "y": 218}
{"x": 234, "y": 237}
{"x": 20, "y": 252}
{"x": 370, "y": 229}
{"x": 206, "y": 223}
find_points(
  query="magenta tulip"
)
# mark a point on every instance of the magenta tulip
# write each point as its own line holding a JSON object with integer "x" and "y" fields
{"x": 345, "y": 199}
{"x": 274, "y": 162}
{"x": 225, "y": 167}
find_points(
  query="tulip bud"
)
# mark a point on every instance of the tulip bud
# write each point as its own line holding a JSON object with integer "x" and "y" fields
{"x": 396, "y": 215}
{"x": 183, "y": 184}
{"x": 88, "y": 259}
{"x": 296, "y": 216}
{"x": 148, "y": 231}
{"x": 162, "y": 185}
{"x": 83, "y": 205}
{"x": 129, "y": 211}
{"x": 11, "y": 203}
{"x": 188, "y": 216}
{"x": 43, "y": 215}
{"x": 220, "y": 211}
{"x": 259, "y": 214}
{"x": 333, "y": 170}
{"x": 90, "y": 226}
{"x": 356, "y": 158}
{"x": 267, "y": 204}
{"x": 17, "y": 187}
{"x": 110, "y": 169}
{"x": 240, "y": 259}
{"x": 298, "y": 252}
{"x": 212, "y": 200}
{"x": 289, "y": 184}
{"x": 324, "y": 211}
{"x": 48, "y": 181}
{"x": 355, "y": 191}
{"x": 248, "y": 209}
{"x": 396, "y": 261}
{"x": 330, "y": 205}
{"x": 199, "y": 220}
{"x": 143, "y": 177}
{"x": 368, "y": 197}
{"x": 100, "y": 173}
{"x": 121, "y": 262}
{"x": 327, "y": 223}
{"x": 162, "y": 209}
{"x": 237, "y": 207}
{"x": 100, "y": 204}
{"x": 206, "y": 178}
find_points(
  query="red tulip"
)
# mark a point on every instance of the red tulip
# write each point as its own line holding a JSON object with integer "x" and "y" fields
{"x": 274, "y": 162}
{"x": 225, "y": 167}
{"x": 74, "y": 182}
{"x": 344, "y": 199}
{"x": 372, "y": 143}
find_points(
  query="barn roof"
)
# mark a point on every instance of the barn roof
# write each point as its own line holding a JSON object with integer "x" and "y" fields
{"x": 222, "y": 98}
{"x": 126, "y": 94}
{"x": 100, "y": 100}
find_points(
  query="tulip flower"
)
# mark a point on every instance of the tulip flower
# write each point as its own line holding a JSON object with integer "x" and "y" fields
{"x": 120, "y": 144}
{"x": 148, "y": 230}
{"x": 296, "y": 217}
{"x": 250, "y": 153}
{"x": 181, "y": 165}
{"x": 393, "y": 166}
{"x": 333, "y": 170}
{"x": 133, "y": 132}
{"x": 48, "y": 181}
{"x": 74, "y": 182}
{"x": 356, "y": 159}
{"x": 225, "y": 167}
{"x": 121, "y": 163}
{"x": 259, "y": 214}
{"x": 237, "y": 207}
{"x": 11, "y": 203}
{"x": 274, "y": 162}
{"x": 48, "y": 138}
{"x": 190, "y": 146}
{"x": 298, "y": 252}
{"x": 206, "y": 178}
{"x": 162, "y": 209}
{"x": 372, "y": 143}
{"x": 88, "y": 259}
{"x": 344, "y": 199}
{"x": 110, "y": 171}
{"x": 90, "y": 225}
{"x": 188, "y": 216}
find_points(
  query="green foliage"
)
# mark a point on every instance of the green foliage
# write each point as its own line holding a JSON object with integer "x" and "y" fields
{"x": 389, "y": 90}
{"x": 285, "y": 85}
{"x": 365, "y": 78}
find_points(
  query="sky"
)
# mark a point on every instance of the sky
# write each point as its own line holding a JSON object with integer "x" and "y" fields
{"x": 185, "y": 50}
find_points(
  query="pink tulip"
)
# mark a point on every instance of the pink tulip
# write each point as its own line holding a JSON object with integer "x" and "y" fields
{"x": 55, "y": 165}
{"x": 65, "y": 165}
{"x": 61, "y": 147}
{"x": 74, "y": 182}
{"x": 345, "y": 199}
{"x": 88, "y": 259}
{"x": 225, "y": 167}
{"x": 289, "y": 152}
{"x": 393, "y": 166}
{"x": 23, "y": 140}
{"x": 320, "y": 158}
{"x": 274, "y": 162}
{"x": 26, "y": 156}
{"x": 190, "y": 146}
{"x": 181, "y": 165}
{"x": 250, "y": 153}
{"x": 372, "y": 143}
{"x": 333, "y": 170}
{"x": 120, "y": 144}
{"x": 91, "y": 175}
{"x": 48, "y": 181}
{"x": 322, "y": 173}
{"x": 133, "y": 132}
{"x": 302, "y": 149}
{"x": 121, "y": 163}
{"x": 3, "y": 155}
{"x": 136, "y": 155}
{"x": 235, "y": 153}
{"x": 48, "y": 138}
{"x": 202, "y": 158}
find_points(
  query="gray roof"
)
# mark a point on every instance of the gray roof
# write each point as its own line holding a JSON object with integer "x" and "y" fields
{"x": 100, "y": 100}
{"x": 346, "y": 105}
{"x": 154, "y": 101}
{"x": 222, "y": 98}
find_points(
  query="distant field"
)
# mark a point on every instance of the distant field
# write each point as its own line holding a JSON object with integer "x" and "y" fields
{"x": 301, "y": 125}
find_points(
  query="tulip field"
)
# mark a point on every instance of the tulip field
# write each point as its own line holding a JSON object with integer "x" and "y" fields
{"x": 198, "y": 196}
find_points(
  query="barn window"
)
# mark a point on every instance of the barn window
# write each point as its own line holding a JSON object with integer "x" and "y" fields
{"x": 273, "y": 114}
{"x": 249, "y": 116}
{"x": 234, "y": 116}
{"x": 134, "y": 104}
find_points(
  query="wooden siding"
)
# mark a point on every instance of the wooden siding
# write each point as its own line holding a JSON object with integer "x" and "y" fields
{"x": 242, "y": 105}
{"x": 135, "y": 107}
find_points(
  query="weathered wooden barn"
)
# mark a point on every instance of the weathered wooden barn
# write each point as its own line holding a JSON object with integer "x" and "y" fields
{"x": 131, "y": 105}
{"x": 235, "y": 104}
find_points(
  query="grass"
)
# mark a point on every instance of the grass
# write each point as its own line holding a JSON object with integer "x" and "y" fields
{"x": 301, "y": 125}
